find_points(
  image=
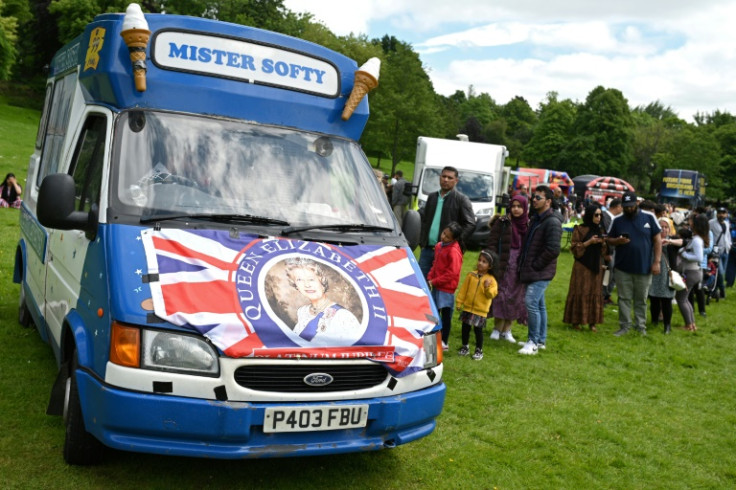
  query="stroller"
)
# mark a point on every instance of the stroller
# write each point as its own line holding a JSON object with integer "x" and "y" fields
{"x": 711, "y": 280}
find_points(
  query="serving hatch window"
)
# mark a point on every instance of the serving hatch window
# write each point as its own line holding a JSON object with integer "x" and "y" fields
{"x": 183, "y": 164}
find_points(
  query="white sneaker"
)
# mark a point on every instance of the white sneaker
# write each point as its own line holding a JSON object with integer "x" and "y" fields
{"x": 542, "y": 346}
{"x": 495, "y": 335}
{"x": 478, "y": 354}
{"x": 445, "y": 348}
{"x": 529, "y": 349}
{"x": 508, "y": 337}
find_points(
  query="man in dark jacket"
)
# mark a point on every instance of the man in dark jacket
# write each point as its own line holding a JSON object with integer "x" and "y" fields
{"x": 399, "y": 198}
{"x": 442, "y": 208}
{"x": 538, "y": 265}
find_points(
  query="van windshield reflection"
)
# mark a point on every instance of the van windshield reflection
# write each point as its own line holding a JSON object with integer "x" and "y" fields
{"x": 477, "y": 186}
{"x": 185, "y": 166}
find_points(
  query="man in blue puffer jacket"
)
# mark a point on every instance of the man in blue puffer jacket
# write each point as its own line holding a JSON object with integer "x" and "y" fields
{"x": 538, "y": 264}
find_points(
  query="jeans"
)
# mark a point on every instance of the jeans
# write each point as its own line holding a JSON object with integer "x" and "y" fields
{"x": 722, "y": 264}
{"x": 632, "y": 289}
{"x": 426, "y": 257}
{"x": 537, "y": 310}
{"x": 731, "y": 268}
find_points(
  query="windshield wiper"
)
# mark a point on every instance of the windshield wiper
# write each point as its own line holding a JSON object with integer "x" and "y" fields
{"x": 229, "y": 217}
{"x": 340, "y": 227}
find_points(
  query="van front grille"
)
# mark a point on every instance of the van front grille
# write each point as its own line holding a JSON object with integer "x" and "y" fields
{"x": 287, "y": 378}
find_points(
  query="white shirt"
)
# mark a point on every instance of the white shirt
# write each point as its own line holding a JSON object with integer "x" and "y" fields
{"x": 724, "y": 244}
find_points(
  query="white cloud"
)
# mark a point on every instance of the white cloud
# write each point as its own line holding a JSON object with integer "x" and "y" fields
{"x": 679, "y": 52}
{"x": 344, "y": 17}
{"x": 593, "y": 36}
{"x": 487, "y": 35}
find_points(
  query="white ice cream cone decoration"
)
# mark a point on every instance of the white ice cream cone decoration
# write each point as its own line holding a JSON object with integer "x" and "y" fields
{"x": 136, "y": 34}
{"x": 366, "y": 79}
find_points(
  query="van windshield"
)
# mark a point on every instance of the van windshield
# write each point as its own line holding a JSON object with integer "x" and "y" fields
{"x": 179, "y": 165}
{"x": 477, "y": 186}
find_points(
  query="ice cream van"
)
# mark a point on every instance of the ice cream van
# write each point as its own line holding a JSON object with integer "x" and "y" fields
{"x": 209, "y": 255}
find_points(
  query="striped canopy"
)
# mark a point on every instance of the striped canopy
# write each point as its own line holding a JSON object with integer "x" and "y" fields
{"x": 610, "y": 184}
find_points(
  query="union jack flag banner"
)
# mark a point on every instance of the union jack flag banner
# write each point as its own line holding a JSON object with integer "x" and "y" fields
{"x": 283, "y": 298}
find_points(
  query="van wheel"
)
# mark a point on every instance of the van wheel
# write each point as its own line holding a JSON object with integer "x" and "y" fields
{"x": 24, "y": 314}
{"x": 80, "y": 447}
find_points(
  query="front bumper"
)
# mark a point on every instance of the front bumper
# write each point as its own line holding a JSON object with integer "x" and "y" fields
{"x": 176, "y": 425}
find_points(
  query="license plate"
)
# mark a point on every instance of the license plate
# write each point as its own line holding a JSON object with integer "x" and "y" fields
{"x": 305, "y": 419}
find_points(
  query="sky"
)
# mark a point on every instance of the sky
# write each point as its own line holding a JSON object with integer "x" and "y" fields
{"x": 678, "y": 52}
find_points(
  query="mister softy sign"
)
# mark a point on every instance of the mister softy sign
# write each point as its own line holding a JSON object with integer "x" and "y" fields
{"x": 244, "y": 60}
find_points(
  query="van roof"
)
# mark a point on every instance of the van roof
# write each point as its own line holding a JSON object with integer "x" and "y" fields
{"x": 210, "y": 67}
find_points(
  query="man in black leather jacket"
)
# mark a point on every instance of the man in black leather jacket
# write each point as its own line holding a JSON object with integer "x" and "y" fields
{"x": 443, "y": 207}
{"x": 538, "y": 265}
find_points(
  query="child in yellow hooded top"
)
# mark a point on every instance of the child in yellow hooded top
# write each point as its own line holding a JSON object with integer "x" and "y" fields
{"x": 474, "y": 301}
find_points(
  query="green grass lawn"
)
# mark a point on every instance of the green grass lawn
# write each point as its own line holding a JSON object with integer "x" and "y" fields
{"x": 591, "y": 411}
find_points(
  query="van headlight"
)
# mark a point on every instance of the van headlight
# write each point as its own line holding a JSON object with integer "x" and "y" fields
{"x": 432, "y": 350}
{"x": 176, "y": 352}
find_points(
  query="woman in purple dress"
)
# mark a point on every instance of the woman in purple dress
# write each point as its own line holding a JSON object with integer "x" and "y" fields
{"x": 506, "y": 239}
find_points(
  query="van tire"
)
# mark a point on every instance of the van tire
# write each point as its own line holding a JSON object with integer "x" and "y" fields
{"x": 24, "y": 314}
{"x": 80, "y": 447}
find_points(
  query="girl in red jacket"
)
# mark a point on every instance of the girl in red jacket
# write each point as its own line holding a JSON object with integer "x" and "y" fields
{"x": 444, "y": 276}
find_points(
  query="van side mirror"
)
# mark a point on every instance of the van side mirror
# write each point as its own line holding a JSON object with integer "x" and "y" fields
{"x": 412, "y": 228}
{"x": 55, "y": 209}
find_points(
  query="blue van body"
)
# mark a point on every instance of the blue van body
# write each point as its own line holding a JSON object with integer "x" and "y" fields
{"x": 212, "y": 260}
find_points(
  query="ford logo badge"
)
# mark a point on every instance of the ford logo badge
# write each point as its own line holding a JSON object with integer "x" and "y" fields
{"x": 318, "y": 379}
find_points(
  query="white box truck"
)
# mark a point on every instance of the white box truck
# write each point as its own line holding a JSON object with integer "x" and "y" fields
{"x": 481, "y": 171}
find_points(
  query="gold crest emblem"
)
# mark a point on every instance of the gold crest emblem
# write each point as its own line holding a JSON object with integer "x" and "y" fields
{"x": 96, "y": 40}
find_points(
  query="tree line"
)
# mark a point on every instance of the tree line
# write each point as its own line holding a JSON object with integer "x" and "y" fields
{"x": 601, "y": 135}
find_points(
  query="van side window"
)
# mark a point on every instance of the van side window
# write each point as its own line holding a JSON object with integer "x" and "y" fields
{"x": 44, "y": 116}
{"x": 57, "y": 126}
{"x": 88, "y": 162}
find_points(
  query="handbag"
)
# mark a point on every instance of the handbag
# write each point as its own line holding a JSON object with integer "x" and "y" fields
{"x": 676, "y": 281}
{"x": 606, "y": 276}
{"x": 674, "y": 278}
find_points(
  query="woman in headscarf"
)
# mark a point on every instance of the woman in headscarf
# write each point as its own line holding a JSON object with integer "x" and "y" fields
{"x": 507, "y": 236}
{"x": 584, "y": 303}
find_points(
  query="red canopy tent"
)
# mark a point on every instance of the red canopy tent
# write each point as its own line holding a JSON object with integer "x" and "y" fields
{"x": 602, "y": 188}
{"x": 610, "y": 184}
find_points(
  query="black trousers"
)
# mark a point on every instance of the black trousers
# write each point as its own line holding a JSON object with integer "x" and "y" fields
{"x": 661, "y": 305}
{"x": 478, "y": 335}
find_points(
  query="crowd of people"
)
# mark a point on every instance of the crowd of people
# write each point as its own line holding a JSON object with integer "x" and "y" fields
{"x": 634, "y": 246}
{"x": 516, "y": 268}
